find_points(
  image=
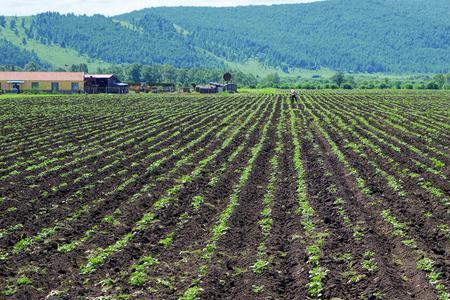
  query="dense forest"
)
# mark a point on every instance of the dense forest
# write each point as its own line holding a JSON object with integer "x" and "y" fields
{"x": 351, "y": 35}
{"x": 152, "y": 41}
{"x": 14, "y": 56}
{"x": 371, "y": 36}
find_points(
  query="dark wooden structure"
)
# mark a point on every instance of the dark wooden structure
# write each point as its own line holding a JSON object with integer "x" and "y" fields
{"x": 206, "y": 89}
{"x": 104, "y": 83}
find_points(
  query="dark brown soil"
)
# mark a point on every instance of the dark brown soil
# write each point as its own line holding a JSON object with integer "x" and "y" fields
{"x": 118, "y": 133}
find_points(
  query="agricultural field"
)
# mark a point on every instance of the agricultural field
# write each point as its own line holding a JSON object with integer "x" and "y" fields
{"x": 345, "y": 195}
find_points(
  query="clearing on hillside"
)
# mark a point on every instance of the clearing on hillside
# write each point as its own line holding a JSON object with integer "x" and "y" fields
{"x": 344, "y": 195}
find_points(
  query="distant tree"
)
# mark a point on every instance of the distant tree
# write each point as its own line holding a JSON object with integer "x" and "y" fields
{"x": 272, "y": 80}
{"x": 347, "y": 86}
{"x": 133, "y": 73}
{"x": 2, "y": 21}
{"x": 168, "y": 73}
{"x": 338, "y": 78}
{"x": 351, "y": 80}
{"x": 74, "y": 68}
{"x": 84, "y": 68}
{"x": 79, "y": 68}
{"x": 432, "y": 86}
{"x": 24, "y": 41}
{"x": 12, "y": 24}
{"x": 31, "y": 66}
{"x": 440, "y": 80}
{"x": 383, "y": 85}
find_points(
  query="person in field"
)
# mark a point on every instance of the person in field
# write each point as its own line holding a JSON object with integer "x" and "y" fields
{"x": 294, "y": 96}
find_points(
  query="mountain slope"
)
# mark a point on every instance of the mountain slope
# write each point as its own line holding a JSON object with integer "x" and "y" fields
{"x": 351, "y": 35}
{"x": 13, "y": 55}
{"x": 151, "y": 40}
{"x": 391, "y": 36}
{"x": 45, "y": 55}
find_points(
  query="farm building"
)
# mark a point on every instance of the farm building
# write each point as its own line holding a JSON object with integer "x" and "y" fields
{"x": 231, "y": 87}
{"x": 215, "y": 87}
{"x": 104, "y": 83}
{"x": 206, "y": 89}
{"x": 219, "y": 86}
{"x": 162, "y": 87}
{"x": 62, "y": 82}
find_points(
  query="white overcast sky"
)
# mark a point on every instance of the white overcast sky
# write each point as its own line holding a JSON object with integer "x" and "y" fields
{"x": 114, "y": 7}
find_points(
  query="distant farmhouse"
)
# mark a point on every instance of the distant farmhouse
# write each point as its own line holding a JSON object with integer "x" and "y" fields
{"x": 60, "y": 82}
{"x": 42, "y": 81}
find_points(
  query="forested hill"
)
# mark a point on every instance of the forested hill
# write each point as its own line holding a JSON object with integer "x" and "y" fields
{"x": 392, "y": 36}
{"x": 351, "y": 35}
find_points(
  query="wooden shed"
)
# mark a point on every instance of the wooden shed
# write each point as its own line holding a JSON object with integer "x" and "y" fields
{"x": 104, "y": 83}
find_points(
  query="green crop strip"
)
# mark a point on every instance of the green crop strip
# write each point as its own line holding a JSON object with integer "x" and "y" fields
{"x": 307, "y": 215}
{"x": 370, "y": 132}
{"x": 399, "y": 229}
{"x": 102, "y": 170}
{"x": 101, "y": 255}
{"x": 392, "y": 182}
{"x": 143, "y": 190}
{"x": 47, "y": 232}
{"x": 95, "y": 139}
{"x": 197, "y": 201}
{"x": 263, "y": 260}
{"x": 221, "y": 224}
{"x": 423, "y": 262}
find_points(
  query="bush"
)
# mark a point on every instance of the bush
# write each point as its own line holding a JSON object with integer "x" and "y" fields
{"x": 432, "y": 86}
{"x": 347, "y": 86}
{"x": 409, "y": 86}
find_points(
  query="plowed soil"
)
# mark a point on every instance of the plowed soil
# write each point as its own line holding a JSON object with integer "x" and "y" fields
{"x": 166, "y": 197}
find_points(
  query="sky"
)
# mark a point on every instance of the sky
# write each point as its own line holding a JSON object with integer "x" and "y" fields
{"x": 114, "y": 7}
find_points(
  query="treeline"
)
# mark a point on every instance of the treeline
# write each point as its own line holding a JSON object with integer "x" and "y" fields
{"x": 180, "y": 76}
{"x": 136, "y": 73}
{"x": 342, "y": 81}
{"x": 185, "y": 77}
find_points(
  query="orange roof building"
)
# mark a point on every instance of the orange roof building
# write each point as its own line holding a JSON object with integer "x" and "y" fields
{"x": 66, "y": 82}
